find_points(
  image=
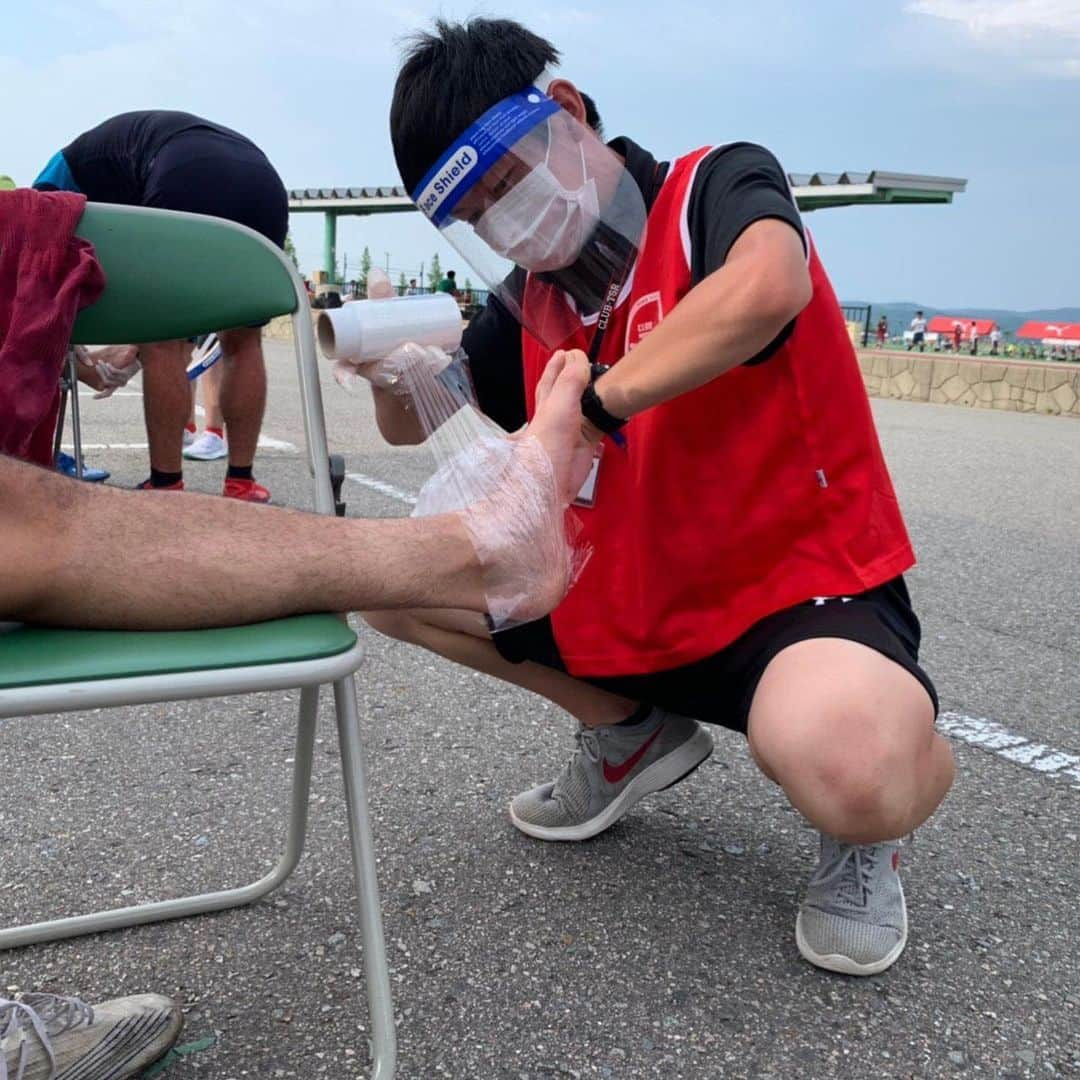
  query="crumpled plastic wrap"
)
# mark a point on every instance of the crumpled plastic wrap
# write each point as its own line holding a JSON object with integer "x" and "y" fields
{"x": 505, "y": 492}
{"x": 502, "y": 486}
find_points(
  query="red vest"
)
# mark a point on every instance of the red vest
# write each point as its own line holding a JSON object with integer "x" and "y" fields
{"x": 757, "y": 491}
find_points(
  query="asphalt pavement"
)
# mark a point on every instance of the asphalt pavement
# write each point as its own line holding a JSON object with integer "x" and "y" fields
{"x": 663, "y": 948}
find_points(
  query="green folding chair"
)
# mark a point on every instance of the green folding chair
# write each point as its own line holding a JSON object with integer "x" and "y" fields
{"x": 173, "y": 275}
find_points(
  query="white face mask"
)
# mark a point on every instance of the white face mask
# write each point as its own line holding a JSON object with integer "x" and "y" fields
{"x": 539, "y": 224}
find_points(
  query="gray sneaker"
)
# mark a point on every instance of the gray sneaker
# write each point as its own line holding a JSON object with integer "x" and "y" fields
{"x": 610, "y": 770}
{"x": 853, "y": 918}
{"x": 49, "y": 1037}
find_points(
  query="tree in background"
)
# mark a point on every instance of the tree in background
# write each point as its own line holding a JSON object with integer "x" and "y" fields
{"x": 290, "y": 250}
{"x": 365, "y": 267}
{"x": 402, "y": 284}
{"x": 435, "y": 273}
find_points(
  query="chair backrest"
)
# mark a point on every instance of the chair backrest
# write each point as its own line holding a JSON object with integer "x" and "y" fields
{"x": 175, "y": 275}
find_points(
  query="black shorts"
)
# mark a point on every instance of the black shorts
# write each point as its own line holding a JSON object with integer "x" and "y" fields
{"x": 203, "y": 171}
{"x": 720, "y": 688}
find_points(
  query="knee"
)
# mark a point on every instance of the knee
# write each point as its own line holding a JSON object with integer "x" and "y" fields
{"x": 864, "y": 796}
{"x": 858, "y": 778}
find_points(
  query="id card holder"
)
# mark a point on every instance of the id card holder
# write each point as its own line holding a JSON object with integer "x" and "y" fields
{"x": 586, "y": 497}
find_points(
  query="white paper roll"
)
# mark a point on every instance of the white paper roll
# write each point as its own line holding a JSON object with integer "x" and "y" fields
{"x": 372, "y": 329}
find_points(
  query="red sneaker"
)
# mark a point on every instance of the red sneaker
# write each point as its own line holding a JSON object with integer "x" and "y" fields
{"x": 247, "y": 490}
{"x": 147, "y": 486}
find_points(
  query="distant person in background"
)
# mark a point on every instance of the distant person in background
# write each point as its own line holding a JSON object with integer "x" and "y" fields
{"x": 882, "y": 331}
{"x": 918, "y": 333}
{"x": 176, "y": 161}
{"x": 412, "y": 290}
{"x": 973, "y": 335}
{"x": 957, "y": 336}
{"x": 448, "y": 283}
{"x": 995, "y": 341}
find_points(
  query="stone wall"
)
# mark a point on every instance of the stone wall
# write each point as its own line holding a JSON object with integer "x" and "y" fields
{"x": 1013, "y": 385}
{"x": 280, "y": 328}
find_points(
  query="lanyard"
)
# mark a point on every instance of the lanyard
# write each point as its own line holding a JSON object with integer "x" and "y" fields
{"x": 618, "y": 280}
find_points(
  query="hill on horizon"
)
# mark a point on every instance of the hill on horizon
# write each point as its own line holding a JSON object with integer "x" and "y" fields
{"x": 901, "y": 312}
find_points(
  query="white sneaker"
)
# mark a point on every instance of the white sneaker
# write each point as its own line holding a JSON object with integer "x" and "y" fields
{"x": 189, "y": 437}
{"x": 49, "y": 1037}
{"x": 207, "y": 447}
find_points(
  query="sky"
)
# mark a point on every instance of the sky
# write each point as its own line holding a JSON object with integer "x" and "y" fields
{"x": 986, "y": 90}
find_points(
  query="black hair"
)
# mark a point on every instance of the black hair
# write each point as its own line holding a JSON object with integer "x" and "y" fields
{"x": 450, "y": 76}
{"x": 451, "y": 274}
{"x": 592, "y": 114}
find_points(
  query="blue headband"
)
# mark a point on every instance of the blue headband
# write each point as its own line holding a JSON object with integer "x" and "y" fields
{"x": 477, "y": 149}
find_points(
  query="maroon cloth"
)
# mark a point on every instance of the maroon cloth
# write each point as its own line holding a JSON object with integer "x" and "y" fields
{"x": 47, "y": 276}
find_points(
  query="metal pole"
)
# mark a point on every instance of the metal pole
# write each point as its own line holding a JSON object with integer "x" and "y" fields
{"x": 330, "y": 244}
{"x": 866, "y": 328}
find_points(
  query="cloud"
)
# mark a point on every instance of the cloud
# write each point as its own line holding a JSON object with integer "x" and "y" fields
{"x": 1038, "y": 34}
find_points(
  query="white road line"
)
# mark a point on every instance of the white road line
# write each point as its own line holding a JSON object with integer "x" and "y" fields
{"x": 268, "y": 443}
{"x": 1019, "y": 749}
{"x": 382, "y": 488}
{"x": 115, "y": 393}
{"x": 265, "y": 443}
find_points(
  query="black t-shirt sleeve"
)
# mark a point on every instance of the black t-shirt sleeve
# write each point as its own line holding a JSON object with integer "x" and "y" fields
{"x": 736, "y": 185}
{"x": 492, "y": 342}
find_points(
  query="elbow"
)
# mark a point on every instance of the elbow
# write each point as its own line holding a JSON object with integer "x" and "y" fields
{"x": 784, "y": 299}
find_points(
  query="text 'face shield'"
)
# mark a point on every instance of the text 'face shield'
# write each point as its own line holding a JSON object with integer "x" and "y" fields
{"x": 529, "y": 186}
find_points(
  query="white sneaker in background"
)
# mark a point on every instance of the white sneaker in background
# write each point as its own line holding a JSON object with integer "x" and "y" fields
{"x": 207, "y": 447}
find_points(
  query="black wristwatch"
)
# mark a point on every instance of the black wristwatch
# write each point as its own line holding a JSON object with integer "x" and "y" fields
{"x": 592, "y": 408}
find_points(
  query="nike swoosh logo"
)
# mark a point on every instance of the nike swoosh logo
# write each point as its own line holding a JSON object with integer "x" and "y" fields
{"x": 614, "y": 774}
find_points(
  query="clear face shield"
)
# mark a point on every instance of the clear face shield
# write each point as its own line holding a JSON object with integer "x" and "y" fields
{"x": 533, "y": 200}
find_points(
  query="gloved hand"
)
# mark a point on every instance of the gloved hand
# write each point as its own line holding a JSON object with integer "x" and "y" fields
{"x": 387, "y": 373}
{"x": 115, "y": 365}
{"x": 391, "y": 373}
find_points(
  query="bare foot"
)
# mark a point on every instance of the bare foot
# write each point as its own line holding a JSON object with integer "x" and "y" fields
{"x": 557, "y": 422}
{"x": 519, "y": 530}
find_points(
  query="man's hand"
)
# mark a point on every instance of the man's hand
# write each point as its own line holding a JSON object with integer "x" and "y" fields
{"x": 108, "y": 368}
{"x": 399, "y": 373}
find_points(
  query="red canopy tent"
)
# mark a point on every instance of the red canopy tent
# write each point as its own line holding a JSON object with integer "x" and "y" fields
{"x": 944, "y": 324}
{"x": 1051, "y": 333}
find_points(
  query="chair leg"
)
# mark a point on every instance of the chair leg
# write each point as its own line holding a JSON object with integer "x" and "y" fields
{"x": 380, "y": 1003}
{"x": 115, "y": 919}
{"x": 76, "y": 421}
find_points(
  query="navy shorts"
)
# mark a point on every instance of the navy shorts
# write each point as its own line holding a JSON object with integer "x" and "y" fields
{"x": 720, "y": 688}
{"x": 202, "y": 171}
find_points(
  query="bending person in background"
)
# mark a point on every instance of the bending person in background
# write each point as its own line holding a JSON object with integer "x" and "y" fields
{"x": 177, "y": 161}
